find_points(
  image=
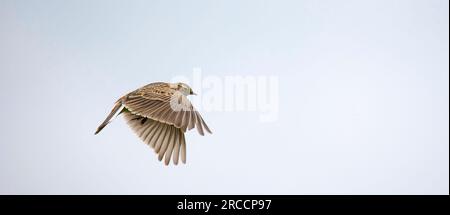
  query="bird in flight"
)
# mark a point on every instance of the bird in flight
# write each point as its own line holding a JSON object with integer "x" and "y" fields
{"x": 160, "y": 113}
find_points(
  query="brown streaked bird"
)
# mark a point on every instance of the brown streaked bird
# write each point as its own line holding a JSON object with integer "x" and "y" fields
{"x": 160, "y": 113}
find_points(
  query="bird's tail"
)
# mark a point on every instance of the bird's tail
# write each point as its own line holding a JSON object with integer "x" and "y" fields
{"x": 117, "y": 109}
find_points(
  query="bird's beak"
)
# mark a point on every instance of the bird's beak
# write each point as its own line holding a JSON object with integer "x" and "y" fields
{"x": 193, "y": 93}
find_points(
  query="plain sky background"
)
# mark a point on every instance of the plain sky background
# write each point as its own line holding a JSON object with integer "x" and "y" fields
{"x": 364, "y": 95}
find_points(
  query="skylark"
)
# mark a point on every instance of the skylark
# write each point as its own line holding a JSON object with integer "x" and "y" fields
{"x": 160, "y": 113}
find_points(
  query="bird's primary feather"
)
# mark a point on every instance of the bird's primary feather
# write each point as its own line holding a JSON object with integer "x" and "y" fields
{"x": 163, "y": 138}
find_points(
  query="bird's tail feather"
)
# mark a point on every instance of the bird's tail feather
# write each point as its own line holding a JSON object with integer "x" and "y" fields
{"x": 117, "y": 106}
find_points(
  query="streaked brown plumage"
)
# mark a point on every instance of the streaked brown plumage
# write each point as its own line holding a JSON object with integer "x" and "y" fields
{"x": 160, "y": 113}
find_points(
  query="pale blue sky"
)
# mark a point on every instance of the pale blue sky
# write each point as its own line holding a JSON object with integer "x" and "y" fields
{"x": 364, "y": 103}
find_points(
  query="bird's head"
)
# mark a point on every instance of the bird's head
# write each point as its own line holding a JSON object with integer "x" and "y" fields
{"x": 184, "y": 88}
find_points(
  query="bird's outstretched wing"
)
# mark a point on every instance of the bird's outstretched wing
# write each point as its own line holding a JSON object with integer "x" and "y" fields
{"x": 166, "y": 140}
{"x": 161, "y": 103}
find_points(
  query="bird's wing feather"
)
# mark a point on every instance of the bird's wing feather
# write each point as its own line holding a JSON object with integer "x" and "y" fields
{"x": 159, "y": 102}
{"x": 165, "y": 139}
